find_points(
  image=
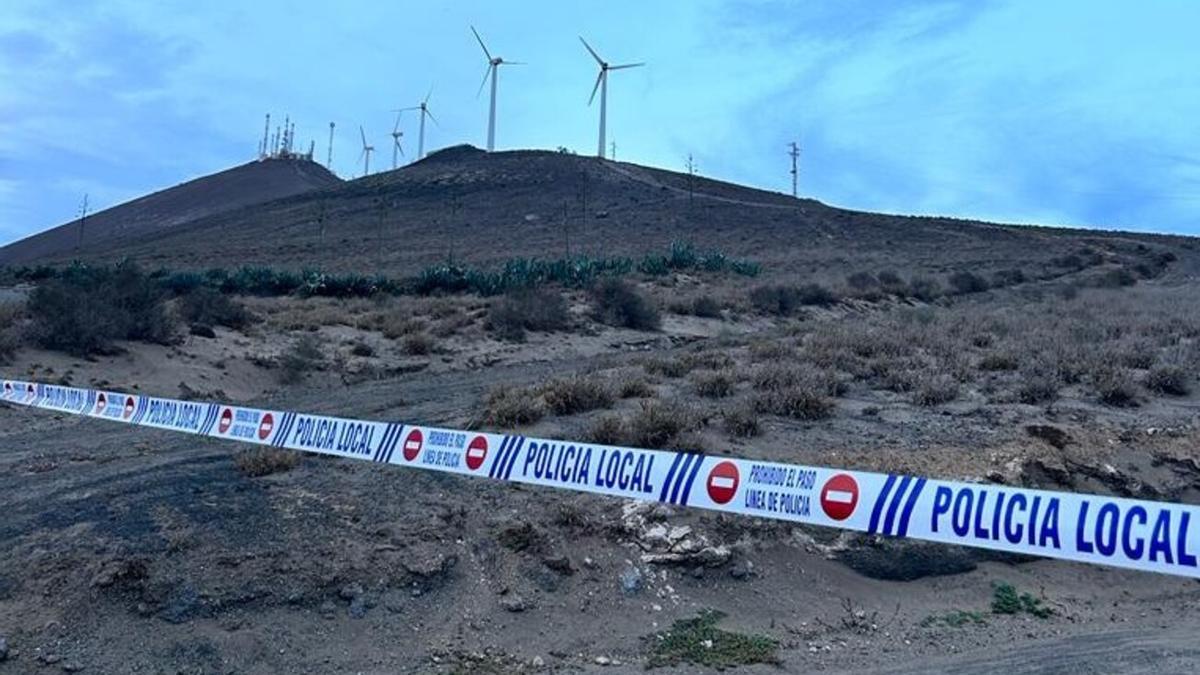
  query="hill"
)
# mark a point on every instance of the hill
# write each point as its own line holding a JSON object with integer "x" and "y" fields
{"x": 468, "y": 205}
{"x": 251, "y": 183}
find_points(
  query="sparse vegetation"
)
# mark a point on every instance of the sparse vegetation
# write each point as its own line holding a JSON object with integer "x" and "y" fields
{"x": 1168, "y": 381}
{"x": 1006, "y": 600}
{"x": 657, "y": 424}
{"x": 787, "y": 300}
{"x": 11, "y": 315}
{"x": 964, "y": 282}
{"x": 264, "y": 461}
{"x": 207, "y": 307}
{"x": 699, "y": 642}
{"x": 714, "y": 383}
{"x": 572, "y": 395}
{"x": 742, "y": 422}
{"x": 303, "y": 357}
{"x": 1115, "y": 386}
{"x": 956, "y": 619}
{"x": 617, "y": 303}
{"x": 417, "y": 344}
{"x": 521, "y": 310}
{"x": 508, "y": 406}
{"x": 84, "y": 312}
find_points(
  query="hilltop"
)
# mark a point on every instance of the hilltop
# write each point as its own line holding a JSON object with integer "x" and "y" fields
{"x": 251, "y": 183}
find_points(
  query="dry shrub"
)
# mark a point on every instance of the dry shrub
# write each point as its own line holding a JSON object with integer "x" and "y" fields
{"x": 934, "y": 390}
{"x": 607, "y": 430}
{"x": 516, "y": 312}
{"x": 257, "y": 462}
{"x": 772, "y": 378}
{"x": 797, "y": 402}
{"x": 742, "y": 422}
{"x": 787, "y": 300}
{"x": 706, "y": 307}
{"x": 634, "y": 387}
{"x": 1037, "y": 389}
{"x": 208, "y": 307}
{"x": 508, "y": 406}
{"x": 657, "y": 424}
{"x": 771, "y": 350}
{"x": 999, "y": 361}
{"x": 303, "y": 357}
{"x": 617, "y": 303}
{"x": 1115, "y": 387}
{"x": 1168, "y": 380}
{"x": 568, "y": 396}
{"x": 395, "y": 326}
{"x": 674, "y": 367}
{"x": 417, "y": 344}
{"x": 11, "y": 314}
{"x": 967, "y": 282}
{"x": 714, "y": 383}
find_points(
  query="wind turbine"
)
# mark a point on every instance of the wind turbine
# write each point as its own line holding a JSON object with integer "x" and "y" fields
{"x": 366, "y": 151}
{"x": 424, "y": 108}
{"x": 493, "y": 71}
{"x": 396, "y": 136}
{"x": 602, "y": 85}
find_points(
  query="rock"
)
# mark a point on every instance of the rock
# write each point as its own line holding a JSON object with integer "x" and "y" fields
{"x": 743, "y": 569}
{"x": 1053, "y": 435}
{"x": 538, "y": 662}
{"x": 50, "y": 659}
{"x": 72, "y": 667}
{"x": 514, "y": 603}
{"x": 358, "y": 607}
{"x": 350, "y": 591}
{"x": 603, "y": 661}
{"x": 908, "y": 560}
{"x": 560, "y": 564}
{"x": 393, "y": 601}
{"x": 632, "y": 580}
{"x": 201, "y": 330}
{"x": 328, "y": 609}
{"x": 182, "y": 604}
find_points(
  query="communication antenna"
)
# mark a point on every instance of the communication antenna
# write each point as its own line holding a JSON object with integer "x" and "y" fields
{"x": 614, "y": 150}
{"x": 691, "y": 167}
{"x": 329, "y": 156}
{"x": 794, "y": 152}
{"x": 262, "y": 149}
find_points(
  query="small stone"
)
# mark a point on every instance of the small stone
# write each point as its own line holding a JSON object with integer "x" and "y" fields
{"x": 742, "y": 569}
{"x": 72, "y": 667}
{"x": 358, "y": 608}
{"x": 631, "y": 580}
{"x": 603, "y": 660}
{"x": 350, "y": 591}
{"x": 51, "y": 659}
{"x": 328, "y": 609}
{"x": 560, "y": 564}
{"x": 538, "y": 662}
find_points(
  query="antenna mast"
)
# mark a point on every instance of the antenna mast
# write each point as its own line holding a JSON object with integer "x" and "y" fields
{"x": 329, "y": 156}
{"x": 795, "y": 154}
{"x": 83, "y": 211}
{"x": 262, "y": 149}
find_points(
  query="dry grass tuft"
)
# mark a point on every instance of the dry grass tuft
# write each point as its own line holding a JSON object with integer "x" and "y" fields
{"x": 257, "y": 462}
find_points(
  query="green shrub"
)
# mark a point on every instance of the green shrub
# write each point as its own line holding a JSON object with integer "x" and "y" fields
{"x": 1006, "y": 600}
{"x": 85, "y": 310}
{"x": 617, "y": 303}
{"x": 699, "y": 642}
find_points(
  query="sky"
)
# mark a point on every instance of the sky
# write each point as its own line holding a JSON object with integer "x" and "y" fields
{"x": 1076, "y": 113}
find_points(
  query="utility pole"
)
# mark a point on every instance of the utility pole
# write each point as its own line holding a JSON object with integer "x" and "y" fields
{"x": 614, "y": 150}
{"x": 795, "y": 154}
{"x": 83, "y": 211}
{"x": 691, "y": 167}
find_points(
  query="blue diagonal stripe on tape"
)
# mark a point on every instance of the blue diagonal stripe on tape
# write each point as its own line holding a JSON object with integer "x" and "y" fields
{"x": 883, "y": 495}
{"x": 687, "y": 488}
{"x": 902, "y": 530}
{"x": 662, "y": 497}
{"x": 498, "y": 460}
{"x": 513, "y": 454}
{"x": 681, "y": 477}
{"x": 381, "y": 449}
{"x": 894, "y": 504}
{"x": 393, "y": 443}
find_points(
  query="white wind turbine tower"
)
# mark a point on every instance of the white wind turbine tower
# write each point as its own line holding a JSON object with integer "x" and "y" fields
{"x": 493, "y": 71}
{"x": 602, "y": 85}
{"x": 424, "y": 108}
{"x": 366, "y": 151}
{"x": 396, "y": 136}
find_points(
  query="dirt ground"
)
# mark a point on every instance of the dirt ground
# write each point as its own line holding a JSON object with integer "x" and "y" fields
{"x": 129, "y": 550}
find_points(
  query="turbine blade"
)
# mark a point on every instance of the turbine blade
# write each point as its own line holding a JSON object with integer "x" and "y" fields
{"x": 513, "y": 63}
{"x": 426, "y": 101}
{"x": 626, "y": 65}
{"x": 486, "y": 74}
{"x": 396, "y": 128}
{"x": 593, "y": 96}
{"x": 485, "y": 50}
{"x": 591, "y": 51}
{"x": 432, "y": 117}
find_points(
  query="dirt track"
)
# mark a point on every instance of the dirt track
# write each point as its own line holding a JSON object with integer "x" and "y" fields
{"x": 344, "y": 567}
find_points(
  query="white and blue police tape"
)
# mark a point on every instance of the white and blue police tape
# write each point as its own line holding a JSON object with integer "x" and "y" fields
{"x": 1136, "y": 534}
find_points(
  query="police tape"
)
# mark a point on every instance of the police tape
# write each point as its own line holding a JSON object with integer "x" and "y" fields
{"x": 1129, "y": 533}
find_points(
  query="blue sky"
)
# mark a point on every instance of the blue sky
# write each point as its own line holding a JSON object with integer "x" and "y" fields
{"x": 1071, "y": 113}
